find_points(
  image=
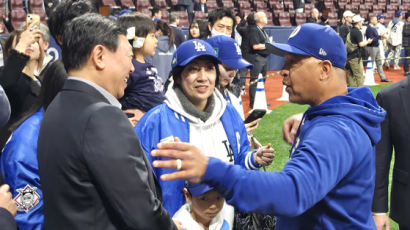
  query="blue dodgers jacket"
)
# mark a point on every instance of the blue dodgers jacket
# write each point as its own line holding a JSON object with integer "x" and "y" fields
{"x": 328, "y": 182}
{"x": 162, "y": 123}
{"x": 19, "y": 167}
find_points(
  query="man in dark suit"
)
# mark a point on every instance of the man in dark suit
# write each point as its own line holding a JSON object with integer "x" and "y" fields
{"x": 201, "y": 6}
{"x": 179, "y": 36}
{"x": 93, "y": 171}
{"x": 395, "y": 134}
{"x": 8, "y": 209}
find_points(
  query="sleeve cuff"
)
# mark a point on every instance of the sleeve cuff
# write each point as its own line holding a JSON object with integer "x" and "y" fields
{"x": 379, "y": 213}
{"x": 250, "y": 162}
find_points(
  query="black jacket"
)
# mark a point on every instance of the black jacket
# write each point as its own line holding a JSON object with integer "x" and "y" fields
{"x": 7, "y": 221}
{"x": 93, "y": 171}
{"x": 179, "y": 36}
{"x": 406, "y": 34}
{"x": 21, "y": 90}
{"x": 395, "y": 134}
{"x": 197, "y": 7}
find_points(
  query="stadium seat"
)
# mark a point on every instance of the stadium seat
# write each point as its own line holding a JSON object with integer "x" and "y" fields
{"x": 162, "y": 4}
{"x": 284, "y": 19}
{"x": 129, "y": 4}
{"x": 332, "y": 16}
{"x": 300, "y": 18}
{"x": 244, "y": 5}
{"x": 199, "y": 15}
{"x": 391, "y": 8}
{"x": 329, "y": 4}
{"x": 17, "y": 17}
{"x": 228, "y": 4}
{"x": 165, "y": 15}
{"x": 143, "y": 4}
{"x": 16, "y": 4}
{"x": 2, "y": 9}
{"x": 258, "y": 6}
{"x": 113, "y": 8}
{"x": 308, "y": 9}
{"x": 42, "y": 13}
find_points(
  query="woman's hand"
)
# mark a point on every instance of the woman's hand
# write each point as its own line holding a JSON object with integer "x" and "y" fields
{"x": 251, "y": 126}
{"x": 27, "y": 37}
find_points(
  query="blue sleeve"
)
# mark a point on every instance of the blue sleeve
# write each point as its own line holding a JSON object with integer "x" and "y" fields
{"x": 245, "y": 156}
{"x": 316, "y": 167}
{"x": 20, "y": 169}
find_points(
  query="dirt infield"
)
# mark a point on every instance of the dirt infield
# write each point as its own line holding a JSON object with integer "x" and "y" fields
{"x": 274, "y": 86}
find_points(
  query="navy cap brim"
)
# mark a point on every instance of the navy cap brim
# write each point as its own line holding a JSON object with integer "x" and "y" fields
{"x": 282, "y": 49}
{"x": 238, "y": 63}
{"x": 187, "y": 61}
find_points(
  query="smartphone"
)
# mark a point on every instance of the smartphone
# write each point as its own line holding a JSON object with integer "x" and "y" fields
{"x": 257, "y": 113}
{"x": 33, "y": 19}
{"x": 130, "y": 115}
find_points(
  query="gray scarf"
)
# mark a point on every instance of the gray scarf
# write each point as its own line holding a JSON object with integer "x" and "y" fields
{"x": 191, "y": 109}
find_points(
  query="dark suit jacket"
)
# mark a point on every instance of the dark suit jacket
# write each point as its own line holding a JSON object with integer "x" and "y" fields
{"x": 395, "y": 134}
{"x": 179, "y": 36}
{"x": 7, "y": 221}
{"x": 93, "y": 171}
{"x": 197, "y": 7}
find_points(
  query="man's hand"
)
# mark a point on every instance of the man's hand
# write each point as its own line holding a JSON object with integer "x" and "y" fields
{"x": 382, "y": 221}
{"x": 290, "y": 127}
{"x": 193, "y": 162}
{"x": 251, "y": 126}
{"x": 6, "y": 200}
{"x": 264, "y": 156}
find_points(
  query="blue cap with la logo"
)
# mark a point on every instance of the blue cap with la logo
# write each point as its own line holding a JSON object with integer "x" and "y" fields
{"x": 228, "y": 52}
{"x": 310, "y": 39}
{"x": 190, "y": 50}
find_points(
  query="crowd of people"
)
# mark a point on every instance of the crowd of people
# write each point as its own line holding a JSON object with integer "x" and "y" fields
{"x": 141, "y": 127}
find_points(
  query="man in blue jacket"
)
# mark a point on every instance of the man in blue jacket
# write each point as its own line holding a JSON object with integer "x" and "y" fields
{"x": 329, "y": 180}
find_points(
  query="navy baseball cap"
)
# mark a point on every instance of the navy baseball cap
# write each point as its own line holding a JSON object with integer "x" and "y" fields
{"x": 311, "y": 39}
{"x": 228, "y": 52}
{"x": 197, "y": 189}
{"x": 191, "y": 49}
{"x": 398, "y": 13}
{"x": 380, "y": 16}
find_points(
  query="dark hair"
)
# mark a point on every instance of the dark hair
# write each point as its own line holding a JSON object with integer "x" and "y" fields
{"x": 154, "y": 11}
{"x": 54, "y": 77}
{"x": 407, "y": 14}
{"x": 177, "y": 71}
{"x": 218, "y": 14}
{"x": 166, "y": 31}
{"x": 251, "y": 19}
{"x": 8, "y": 45}
{"x": 63, "y": 13}
{"x": 203, "y": 29}
{"x": 83, "y": 33}
{"x": 142, "y": 23}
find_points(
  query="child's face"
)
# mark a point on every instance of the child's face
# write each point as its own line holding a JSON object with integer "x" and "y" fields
{"x": 206, "y": 206}
{"x": 150, "y": 44}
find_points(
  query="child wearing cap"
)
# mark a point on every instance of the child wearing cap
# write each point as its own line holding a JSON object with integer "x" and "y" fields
{"x": 205, "y": 208}
{"x": 144, "y": 87}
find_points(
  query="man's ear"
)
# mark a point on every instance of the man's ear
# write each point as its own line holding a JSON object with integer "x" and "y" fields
{"x": 209, "y": 27}
{"x": 326, "y": 68}
{"x": 97, "y": 56}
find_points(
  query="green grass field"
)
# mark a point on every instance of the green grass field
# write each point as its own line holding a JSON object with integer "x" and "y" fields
{"x": 270, "y": 131}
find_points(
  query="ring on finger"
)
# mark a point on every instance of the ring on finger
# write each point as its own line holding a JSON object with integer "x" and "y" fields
{"x": 179, "y": 164}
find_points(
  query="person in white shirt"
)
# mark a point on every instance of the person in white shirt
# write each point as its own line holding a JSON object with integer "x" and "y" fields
{"x": 205, "y": 209}
{"x": 394, "y": 39}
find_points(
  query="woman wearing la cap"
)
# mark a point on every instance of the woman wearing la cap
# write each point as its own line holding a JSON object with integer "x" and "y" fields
{"x": 194, "y": 112}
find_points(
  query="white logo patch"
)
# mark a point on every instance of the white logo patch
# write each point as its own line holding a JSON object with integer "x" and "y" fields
{"x": 322, "y": 52}
{"x": 27, "y": 198}
{"x": 199, "y": 46}
{"x": 296, "y": 31}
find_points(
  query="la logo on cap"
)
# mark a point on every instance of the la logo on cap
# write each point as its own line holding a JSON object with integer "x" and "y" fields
{"x": 199, "y": 46}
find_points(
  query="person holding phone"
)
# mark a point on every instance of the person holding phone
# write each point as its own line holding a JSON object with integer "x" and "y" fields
{"x": 230, "y": 55}
{"x": 197, "y": 113}
{"x": 21, "y": 85}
